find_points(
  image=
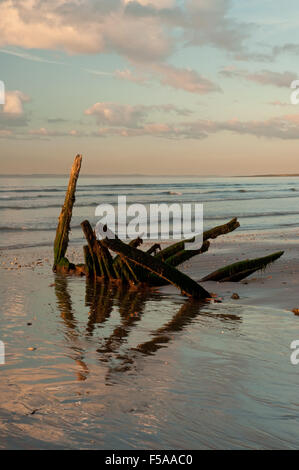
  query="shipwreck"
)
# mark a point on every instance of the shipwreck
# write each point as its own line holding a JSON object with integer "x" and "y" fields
{"x": 112, "y": 260}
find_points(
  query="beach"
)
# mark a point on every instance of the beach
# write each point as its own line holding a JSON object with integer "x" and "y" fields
{"x": 275, "y": 287}
{"x": 115, "y": 368}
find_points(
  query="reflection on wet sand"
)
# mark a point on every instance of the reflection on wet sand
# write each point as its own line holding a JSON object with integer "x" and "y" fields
{"x": 145, "y": 369}
{"x": 130, "y": 303}
{"x": 64, "y": 301}
{"x": 99, "y": 298}
{"x": 179, "y": 321}
{"x": 64, "y": 304}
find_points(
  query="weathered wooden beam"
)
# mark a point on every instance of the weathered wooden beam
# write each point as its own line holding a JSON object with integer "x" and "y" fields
{"x": 176, "y": 260}
{"x": 102, "y": 259}
{"x": 63, "y": 228}
{"x": 185, "y": 255}
{"x": 183, "y": 282}
{"x": 94, "y": 248}
{"x": 238, "y": 271}
{"x": 154, "y": 249}
{"x": 89, "y": 264}
{"x": 135, "y": 243}
{"x": 221, "y": 229}
{"x": 107, "y": 262}
{"x": 207, "y": 235}
{"x": 123, "y": 268}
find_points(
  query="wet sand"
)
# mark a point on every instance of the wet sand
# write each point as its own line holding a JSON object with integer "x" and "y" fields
{"x": 118, "y": 369}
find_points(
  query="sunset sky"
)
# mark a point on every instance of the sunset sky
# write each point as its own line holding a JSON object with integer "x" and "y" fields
{"x": 179, "y": 87}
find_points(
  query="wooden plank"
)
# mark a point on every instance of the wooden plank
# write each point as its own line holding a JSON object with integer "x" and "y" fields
{"x": 89, "y": 264}
{"x": 242, "y": 269}
{"x": 207, "y": 235}
{"x": 94, "y": 248}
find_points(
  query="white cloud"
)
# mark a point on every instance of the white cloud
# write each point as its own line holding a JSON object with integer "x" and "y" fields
{"x": 129, "y": 124}
{"x": 278, "y": 103}
{"x": 117, "y": 115}
{"x": 263, "y": 77}
{"x": 154, "y": 130}
{"x": 130, "y": 76}
{"x": 175, "y": 77}
{"x": 156, "y": 3}
{"x": 12, "y": 111}
{"x": 40, "y": 24}
{"x": 43, "y": 132}
{"x": 208, "y": 22}
{"x": 146, "y": 32}
{"x": 184, "y": 79}
{"x": 284, "y": 127}
{"x": 5, "y": 133}
{"x": 140, "y": 30}
{"x": 14, "y": 103}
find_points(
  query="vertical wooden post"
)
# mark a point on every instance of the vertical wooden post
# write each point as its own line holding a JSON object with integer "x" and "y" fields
{"x": 63, "y": 228}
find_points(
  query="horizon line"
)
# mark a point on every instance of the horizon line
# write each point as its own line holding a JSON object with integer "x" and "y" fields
{"x": 88, "y": 175}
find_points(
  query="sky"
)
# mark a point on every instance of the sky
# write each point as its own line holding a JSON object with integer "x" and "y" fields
{"x": 172, "y": 87}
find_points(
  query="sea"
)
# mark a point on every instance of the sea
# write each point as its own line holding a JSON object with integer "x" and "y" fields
{"x": 29, "y": 206}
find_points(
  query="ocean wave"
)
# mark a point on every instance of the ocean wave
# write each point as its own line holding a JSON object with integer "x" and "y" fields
{"x": 33, "y": 190}
{"x": 34, "y": 245}
{"x": 11, "y": 228}
{"x": 210, "y": 219}
{"x": 253, "y": 215}
{"x": 184, "y": 199}
{"x": 48, "y": 206}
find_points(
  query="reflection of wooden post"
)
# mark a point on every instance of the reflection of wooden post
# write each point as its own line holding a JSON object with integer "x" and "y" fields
{"x": 63, "y": 228}
{"x": 99, "y": 297}
{"x": 164, "y": 334}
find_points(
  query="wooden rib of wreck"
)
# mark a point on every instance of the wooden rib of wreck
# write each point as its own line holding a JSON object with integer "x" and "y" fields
{"x": 237, "y": 271}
